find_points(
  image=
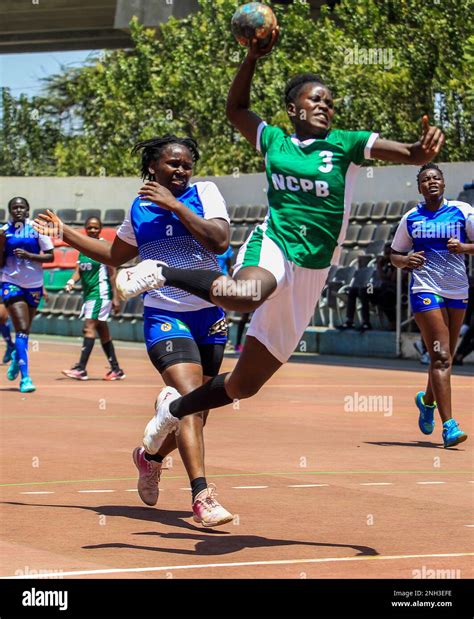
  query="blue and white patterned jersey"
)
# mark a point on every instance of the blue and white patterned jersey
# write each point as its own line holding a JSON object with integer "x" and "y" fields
{"x": 159, "y": 235}
{"x": 19, "y": 271}
{"x": 423, "y": 230}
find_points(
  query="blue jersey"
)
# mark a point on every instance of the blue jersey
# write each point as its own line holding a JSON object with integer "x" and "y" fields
{"x": 159, "y": 235}
{"x": 19, "y": 271}
{"x": 420, "y": 229}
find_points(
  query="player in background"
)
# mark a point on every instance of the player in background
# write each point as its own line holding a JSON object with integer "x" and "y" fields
{"x": 100, "y": 299}
{"x": 282, "y": 268}
{"x": 438, "y": 232}
{"x": 22, "y": 253}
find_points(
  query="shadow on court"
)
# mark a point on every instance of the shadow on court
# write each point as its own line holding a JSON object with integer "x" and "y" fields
{"x": 207, "y": 546}
{"x": 410, "y": 444}
{"x": 208, "y": 541}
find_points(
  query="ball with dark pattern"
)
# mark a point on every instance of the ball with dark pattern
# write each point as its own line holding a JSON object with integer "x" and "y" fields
{"x": 253, "y": 20}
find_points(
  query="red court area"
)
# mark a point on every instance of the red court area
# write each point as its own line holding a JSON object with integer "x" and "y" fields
{"x": 325, "y": 470}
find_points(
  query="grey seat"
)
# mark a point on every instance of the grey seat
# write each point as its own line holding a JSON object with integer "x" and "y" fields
{"x": 352, "y": 235}
{"x": 394, "y": 211}
{"x": 366, "y": 234}
{"x": 364, "y": 212}
{"x": 114, "y": 217}
{"x": 240, "y": 214}
{"x": 68, "y": 215}
{"x": 379, "y": 211}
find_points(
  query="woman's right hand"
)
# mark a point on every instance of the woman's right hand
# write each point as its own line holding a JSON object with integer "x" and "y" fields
{"x": 256, "y": 51}
{"x": 69, "y": 285}
{"x": 416, "y": 260}
{"x": 49, "y": 224}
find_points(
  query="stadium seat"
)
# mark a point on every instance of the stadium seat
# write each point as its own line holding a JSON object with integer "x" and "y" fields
{"x": 263, "y": 213}
{"x": 363, "y": 212}
{"x": 34, "y": 214}
{"x": 3, "y": 216}
{"x": 46, "y": 304}
{"x": 240, "y": 214}
{"x": 59, "y": 304}
{"x": 231, "y": 210}
{"x": 352, "y": 235}
{"x": 366, "y": 234}
{"x": 68, "y": 215}
{"x": 379, "y": 211}
{"x": 252, "y": 214}
{"x": 383, "y": 232}
{"x": 238, "y": 235}
{"x": 350, "y": 256}
{"x": 67, "y": 258}
{"x": 466, "y": 195}
{"x": 84, "y": 214}
{"x": 375, "y": 248}
{"x": 55, "y": 279}
{"x": 73, "y": 305}
{"x": 409, "y": 205}
{"x": 352, "y": 215}
{"x": 114, "y": 217}
{"x": 108, "y": 234}
{"x": 394, "y": 211}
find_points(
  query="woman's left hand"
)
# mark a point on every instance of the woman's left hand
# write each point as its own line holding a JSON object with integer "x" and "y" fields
{"x": 159, "y": 195}
{"x": 21, "y": 253}
{"x": 115, "y": 305}
{"x": 455, "y": 246}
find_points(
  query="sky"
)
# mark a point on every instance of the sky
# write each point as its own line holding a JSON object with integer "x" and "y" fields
{"x": 23, "y": 72}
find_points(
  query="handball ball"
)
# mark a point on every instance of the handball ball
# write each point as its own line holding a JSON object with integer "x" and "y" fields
{"x": 253, "y": 20}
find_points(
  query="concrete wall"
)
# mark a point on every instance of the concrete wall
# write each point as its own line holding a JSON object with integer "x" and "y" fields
{"x": 383, "y": 183}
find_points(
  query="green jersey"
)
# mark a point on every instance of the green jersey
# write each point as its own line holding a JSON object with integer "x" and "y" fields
{"x": 94, "y": 279}
{"x": 310, "y": 187}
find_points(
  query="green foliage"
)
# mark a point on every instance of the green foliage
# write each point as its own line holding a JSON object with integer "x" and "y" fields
{"x": 177, "y": 81}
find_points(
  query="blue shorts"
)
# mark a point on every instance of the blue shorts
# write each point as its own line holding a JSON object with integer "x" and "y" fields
{"x": 12, "y": 293}
{"x": 205, "y": 326}
{"x": 426, "y": 301}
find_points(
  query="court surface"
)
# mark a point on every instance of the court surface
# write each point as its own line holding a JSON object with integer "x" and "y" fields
{"x": 325, "y": 470}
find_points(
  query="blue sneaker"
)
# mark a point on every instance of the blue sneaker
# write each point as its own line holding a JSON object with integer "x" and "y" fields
{"x": 426, "y": 419}
{"x": 452, "y": 435}
{"x": 14, "y": 368}
{"x": 26, "y": 385}
{"x": 8, "y": 352}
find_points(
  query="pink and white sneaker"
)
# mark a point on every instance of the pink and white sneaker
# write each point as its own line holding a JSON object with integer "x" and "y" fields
{"x": 207, "y": 511}
{"x": 149, "y": 473}
{"x": 76, "y": 373}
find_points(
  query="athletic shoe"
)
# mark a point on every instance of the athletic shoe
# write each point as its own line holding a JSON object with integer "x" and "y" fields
{"x": 8, "y": 352}
{"x": 452, "y": 435}
{"x": 76, "y": 373}
{"x": 13, "y": 368}
{"x": 26, "y": 385}
{"x": 163, "y": 423}
{"x": 425, "y": 358}
{"x": 115, "y": 375}
{"x": 346, "y": 326}
{"x": 145, "y": 276}
{"x": 207, "y": 511}
{"x": 149, "y": 473}
{"x": 365, "y": 326}
{"x": 426, "y": 418}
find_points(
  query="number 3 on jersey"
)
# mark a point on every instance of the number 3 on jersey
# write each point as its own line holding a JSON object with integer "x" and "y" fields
{"x": 327, "y": 159}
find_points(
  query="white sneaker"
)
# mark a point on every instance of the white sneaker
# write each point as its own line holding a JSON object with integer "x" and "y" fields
{"x": 145, "y": 276}
{"x": 163, "y": 423}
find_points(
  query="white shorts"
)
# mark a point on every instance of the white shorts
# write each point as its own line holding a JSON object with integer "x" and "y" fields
{"x": 96, "y": 309}
{"x": 281, "y": 320}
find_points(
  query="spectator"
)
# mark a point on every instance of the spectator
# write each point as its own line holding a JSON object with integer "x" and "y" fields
{"x": 380, "y": 291}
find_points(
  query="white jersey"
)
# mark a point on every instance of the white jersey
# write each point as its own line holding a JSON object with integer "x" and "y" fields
{"x": 159, "y": 235}
{"x": 420, "y": 229}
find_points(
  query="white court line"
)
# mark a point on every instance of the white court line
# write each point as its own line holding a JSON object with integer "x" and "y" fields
{"x": 171, "y": 568}
{"x": 95, "y": 491}
{"x": 37, "y": 492}
{"x": 307, "y": 485}
{"x": 380, "y": 483}
{"x": 247, "y": 487}
{"x": 426, "y": 483}
{"x": 185, "y": 488}
{"x": 135, "y": 490}
{"x": 469, "y": 525}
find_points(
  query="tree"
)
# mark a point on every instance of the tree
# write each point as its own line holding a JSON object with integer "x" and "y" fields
{"x": 387, "y": 63}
